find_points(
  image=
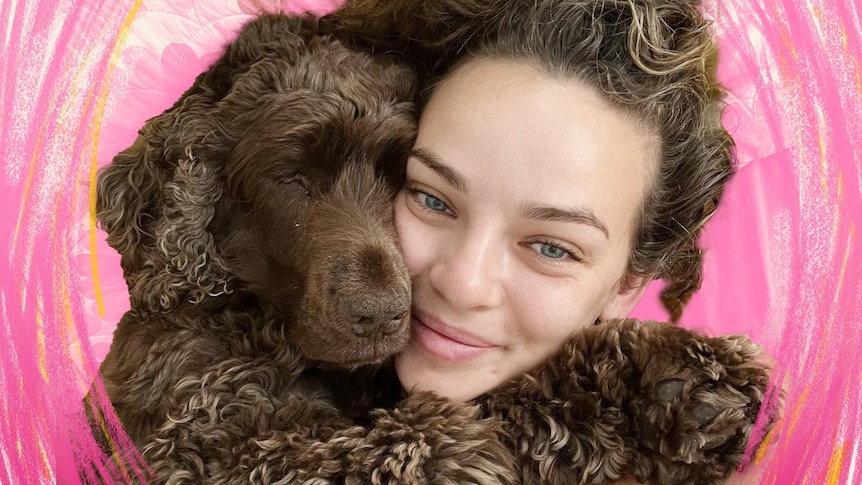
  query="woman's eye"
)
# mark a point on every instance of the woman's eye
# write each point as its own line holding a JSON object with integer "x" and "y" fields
{"x": 431, "y": 202}
{"x": 553, "y": 252}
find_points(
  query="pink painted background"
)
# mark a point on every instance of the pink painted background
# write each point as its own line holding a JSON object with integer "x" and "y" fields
{"x": 78, "y": 78}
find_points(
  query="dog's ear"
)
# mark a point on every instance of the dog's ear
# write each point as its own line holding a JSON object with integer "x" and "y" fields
{"x": 155, "y": 201}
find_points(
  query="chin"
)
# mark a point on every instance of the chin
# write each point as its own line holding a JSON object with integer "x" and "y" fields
{"x": 414, "y": 376}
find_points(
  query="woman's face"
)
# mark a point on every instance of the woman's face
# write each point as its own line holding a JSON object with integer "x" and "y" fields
{"x": 516, "y": 222}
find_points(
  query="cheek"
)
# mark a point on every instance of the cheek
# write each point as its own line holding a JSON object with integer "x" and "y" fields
{"x": 550, "y": 312}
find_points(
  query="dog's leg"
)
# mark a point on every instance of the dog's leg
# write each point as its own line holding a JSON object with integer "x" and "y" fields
{"x": 237, "y": 429}
{"x": 425, "y": 439}
{"x": 639, "y": 399}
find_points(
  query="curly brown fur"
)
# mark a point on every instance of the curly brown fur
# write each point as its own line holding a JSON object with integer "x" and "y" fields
{"x": 423, "y": 440}
{"x": 267, "y": 122}
{"x": 266, "y": 198}
{"x": 254, "y": 223}
{"x": 635, "y": 399}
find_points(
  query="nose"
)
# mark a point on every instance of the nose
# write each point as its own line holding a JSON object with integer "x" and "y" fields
{"x": 469, "y": 273}
{"x": 372, "y": 313}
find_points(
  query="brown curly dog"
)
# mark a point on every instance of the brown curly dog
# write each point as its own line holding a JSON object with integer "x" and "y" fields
{"x": 262, "y": 197}
{"x": 255, "y": 228}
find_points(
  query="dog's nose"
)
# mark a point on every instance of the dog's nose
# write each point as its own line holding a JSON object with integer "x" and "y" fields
{"x": 374, "y": 313}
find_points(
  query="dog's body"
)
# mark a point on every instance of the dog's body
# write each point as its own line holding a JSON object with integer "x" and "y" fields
{"x": 254, "y": 223}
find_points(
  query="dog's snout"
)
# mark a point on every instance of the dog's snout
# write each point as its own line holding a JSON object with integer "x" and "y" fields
{"x": 374, "y": 313}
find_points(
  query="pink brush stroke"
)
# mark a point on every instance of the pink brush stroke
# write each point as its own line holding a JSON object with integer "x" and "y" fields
{"x": 783, "y": 261}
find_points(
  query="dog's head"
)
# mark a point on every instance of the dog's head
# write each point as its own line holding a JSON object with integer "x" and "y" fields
{"x": 307, "y": 217}
{"x": 281, "y": 189}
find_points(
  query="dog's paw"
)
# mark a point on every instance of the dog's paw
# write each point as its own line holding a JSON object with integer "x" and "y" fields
{"x": 644, "y": 399}
{"x": 697, "y": 398}
{"x": 438, "y": 441}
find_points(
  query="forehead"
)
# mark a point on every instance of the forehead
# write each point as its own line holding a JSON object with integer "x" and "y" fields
{"x": 513, "y": 129}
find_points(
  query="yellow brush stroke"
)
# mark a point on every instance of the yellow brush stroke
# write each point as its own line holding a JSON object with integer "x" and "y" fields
{"x": 839, "y": 284}
{"x": 839, "y": 192}
{"x": 817, "y": 16}
{"x": 850, "y": 60}
{"x": 40, "y": 340}
{"x": 100, "y": 420}
{"x": 101, "y": 102}
{"x": 786, "y": 39}
{"x": 71, "y": 342}
{"x": 858, "y": 81}
{"x": 820, "y": 357}
{"x": 835, "y": 461}
{"x": 69, "y": 336}
{"x": 792, "y": 418}
{"x": 38, "y": 422}
{"x": 34, "y": 159}
{"x": 764, "y": 447}
{"x": 47, "y": 473}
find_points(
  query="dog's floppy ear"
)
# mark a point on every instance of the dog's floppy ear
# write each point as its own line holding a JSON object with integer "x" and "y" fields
{"x": 155, "y": 201}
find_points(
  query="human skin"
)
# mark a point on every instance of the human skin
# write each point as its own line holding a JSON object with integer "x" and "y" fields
{"x": 516, "y": 222}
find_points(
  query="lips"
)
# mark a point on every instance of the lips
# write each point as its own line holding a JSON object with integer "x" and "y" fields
{"x": 445, "y": 342}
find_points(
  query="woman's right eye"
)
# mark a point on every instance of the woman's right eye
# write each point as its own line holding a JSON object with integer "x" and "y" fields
{"x": 428, "y": 202}
{"x": 431, "y": 202}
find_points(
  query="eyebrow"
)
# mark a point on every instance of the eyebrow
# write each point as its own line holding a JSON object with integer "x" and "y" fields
{"x": 447, "y": 173}
{"x": 577, "y": 215}
{"x": 530, "y": 211}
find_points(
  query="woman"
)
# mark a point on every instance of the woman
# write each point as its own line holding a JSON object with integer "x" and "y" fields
{"x": 516, "y": 221}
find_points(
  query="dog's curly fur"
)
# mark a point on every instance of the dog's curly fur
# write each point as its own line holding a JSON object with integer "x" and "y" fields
{"x": 627, "y": 398}
{"x": 254, "y": 223}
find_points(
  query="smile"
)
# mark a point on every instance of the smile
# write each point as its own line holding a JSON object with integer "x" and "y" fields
{"x": 447, "y": 343}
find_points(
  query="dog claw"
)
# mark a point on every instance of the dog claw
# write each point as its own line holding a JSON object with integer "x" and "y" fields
{"x": 715, "y": 442}
{"x": 704, "y": 413}
{"x": 669, "y": 390}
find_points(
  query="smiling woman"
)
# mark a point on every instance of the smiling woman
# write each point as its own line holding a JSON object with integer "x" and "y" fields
{"x": 516, "y": 221}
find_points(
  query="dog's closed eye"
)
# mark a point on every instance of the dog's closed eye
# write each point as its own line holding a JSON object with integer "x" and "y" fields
{"x": 296, "y": 182}
{"x": 294, "y": 178}
{"x": 293, "y": 185}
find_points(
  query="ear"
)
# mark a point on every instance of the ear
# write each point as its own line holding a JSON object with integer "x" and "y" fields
{"x": 155, "y": 201}
{"x": 629, "y": 291}
{"x": 127, "y": 193}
